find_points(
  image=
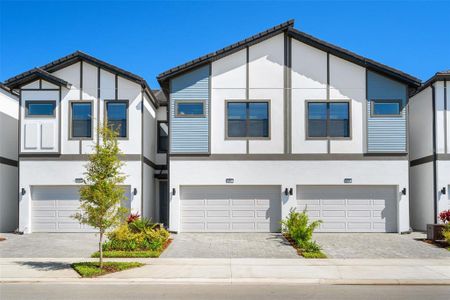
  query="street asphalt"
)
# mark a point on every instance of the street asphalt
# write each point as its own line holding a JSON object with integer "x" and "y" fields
{"x": 213, "y": 291}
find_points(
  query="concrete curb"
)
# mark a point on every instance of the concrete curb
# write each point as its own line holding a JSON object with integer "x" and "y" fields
{"x": 156, "y": 281}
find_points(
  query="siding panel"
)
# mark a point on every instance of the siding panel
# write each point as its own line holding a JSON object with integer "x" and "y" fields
{"x": 386, "y": 134}
{"x": 189, "y": 135}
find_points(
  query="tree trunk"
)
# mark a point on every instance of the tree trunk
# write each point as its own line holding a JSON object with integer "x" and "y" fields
{"x": 100, "y": 249}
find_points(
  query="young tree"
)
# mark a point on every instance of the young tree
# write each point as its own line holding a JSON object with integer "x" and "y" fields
{"x": 102, "y": 194}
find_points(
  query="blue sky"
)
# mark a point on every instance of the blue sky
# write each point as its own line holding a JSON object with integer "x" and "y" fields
{"x": 149, "y": 37}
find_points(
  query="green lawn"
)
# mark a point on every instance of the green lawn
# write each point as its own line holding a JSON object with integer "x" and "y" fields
{"x": 92, "y": 269}
{"x": 132, "y": 254}
{"x": 319, "y": 254}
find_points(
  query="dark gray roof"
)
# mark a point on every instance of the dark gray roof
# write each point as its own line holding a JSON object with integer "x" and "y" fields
{"x": 78, "y": 56}
{"x": 32, "y": 75}
{"x": 439, "y": 76}
{"x": 301, "y": 36}
{"x": 353, "y": 57}
{"x": 225, "y": 51}
{"x": 160, "y": 96}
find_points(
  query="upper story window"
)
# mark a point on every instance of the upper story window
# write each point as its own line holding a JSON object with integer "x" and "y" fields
{"x": 81, "y": 119}
{"x": 163, "y": 137}
{"x": 328, "y": 120}
{"x": 247, "y": 119}
{"x": 385, "y": 108}
{"x": 40, "y": 109}
{"x": 117, "y": 117}
{"x": 190, "y": 109}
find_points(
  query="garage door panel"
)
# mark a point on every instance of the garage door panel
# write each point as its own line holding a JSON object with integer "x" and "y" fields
{"x": 230, "y": 208}
{"x": 53, "y": 208}
{"x": 351, "y": 208}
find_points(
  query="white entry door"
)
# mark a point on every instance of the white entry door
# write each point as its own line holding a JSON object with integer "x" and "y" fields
{"x": 230, "y": 208}
{"x": 52, "y": 208}
{"x": 350, "y": 208}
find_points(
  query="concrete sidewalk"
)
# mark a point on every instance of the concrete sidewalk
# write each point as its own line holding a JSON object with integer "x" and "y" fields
{"x": 326, "y": 271}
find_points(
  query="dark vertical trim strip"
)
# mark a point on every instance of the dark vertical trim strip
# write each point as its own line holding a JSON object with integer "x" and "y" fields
{"x": 98, "y": 103}
{"x": 209, "y": 108}
{"x": 169, "y": 195}
{"x": 59, "y": 120}
{"x": 40, "y": 84}
{"x": 116, "y": 87}
{"x": 289, "y": 94}
{"x": 81, "y": 98}
{"x": 445, "y": 116}
{"x": 247, "y": 87}
{"x": 366, "y": 138}
{"x": 81, "y": 80}
{"x": 286, "y": 134}
{"x": 433, "y": 99}
{"x": 142, "y": 152}
{"x": 19, "y": 145}
{"x": 328, "y": 98}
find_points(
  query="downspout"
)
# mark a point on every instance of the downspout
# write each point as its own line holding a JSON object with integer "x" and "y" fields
{"x": 433, "y": 99}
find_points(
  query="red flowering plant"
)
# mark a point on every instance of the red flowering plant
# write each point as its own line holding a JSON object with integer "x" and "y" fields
{"x": 133, "y": 217}
{"x": 445, "y": 216}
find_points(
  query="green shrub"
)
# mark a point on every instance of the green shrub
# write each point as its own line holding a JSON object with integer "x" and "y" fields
{"x": 314, "y": 254}
{"x": 310, "y": 246}
{"x": 298, "y": 227}
{"x": 446, "y": 233}
{"x": 133, "y": 237}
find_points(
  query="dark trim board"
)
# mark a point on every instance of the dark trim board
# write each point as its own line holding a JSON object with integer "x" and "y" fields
{"x": 71, "y": 157}
{"x": 153, "y": 165}
{"x": 9, "y": 162}
{"x": 293, "y": 157}
{"x": 421, "y": 161}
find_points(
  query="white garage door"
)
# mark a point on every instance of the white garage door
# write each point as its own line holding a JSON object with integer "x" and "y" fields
{"x": 230, "y": 208}
{"x": 53, "y": 206}
{"x": 350, "y": 208}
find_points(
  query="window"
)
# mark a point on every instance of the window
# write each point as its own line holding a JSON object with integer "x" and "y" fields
{"x": 40, "y": 108}
{"x": 117, "y": 117}
{"x": 247, "y": 119}
{"x": 194, "y": 109}
{"x": 163, "y": 137}
{"x": 81, "y": 120}
{"x": 386, "y": 108}
{"x": 328, "y": 120}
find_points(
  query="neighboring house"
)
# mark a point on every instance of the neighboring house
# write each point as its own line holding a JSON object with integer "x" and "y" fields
{"x": 9, "y": 171}
{"x": 61, "y": 106}
{"x": 283, "y": 120}
{"x": 430, "y": 150}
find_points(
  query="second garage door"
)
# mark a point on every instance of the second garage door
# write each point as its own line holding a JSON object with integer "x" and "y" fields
{"x": 230, "y": 208}
{"x": 350, "y": 208}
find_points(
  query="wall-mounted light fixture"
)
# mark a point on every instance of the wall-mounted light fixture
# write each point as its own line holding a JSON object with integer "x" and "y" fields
{"x": 135, "y": 191}
{"x": 291, "y": 191}
{"x": 443, "y": 191}
{"x": 174, "y": 192}
{"x": 404, "y": 191}
{"x": 23, "y": 191}
{"x": 286, "y": 191}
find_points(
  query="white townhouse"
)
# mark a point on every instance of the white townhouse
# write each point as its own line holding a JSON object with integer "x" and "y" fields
{"x": 9, "y": 171}
{"x": 430, "y": 150}
{"x": 61, "y": 105}
{"x": 283, "y": 120}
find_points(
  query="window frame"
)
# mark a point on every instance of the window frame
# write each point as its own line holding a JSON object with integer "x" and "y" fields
{"x": 269, "y": 105}
{"x": 158, "y": 139}
{"x": 178, "y": 115}
{"x": 27, "y": 105}
{"x": 326, "y": 138}
{"x": 374, "y": 101}
{"x": 71, "y": 137}
{"x": 105, "y": 115}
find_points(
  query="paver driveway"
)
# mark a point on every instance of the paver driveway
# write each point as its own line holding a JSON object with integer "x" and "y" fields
{"x": 378, "y": 245}
{"x": 47, "y": 245}
{"x": 229, "y": 245}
